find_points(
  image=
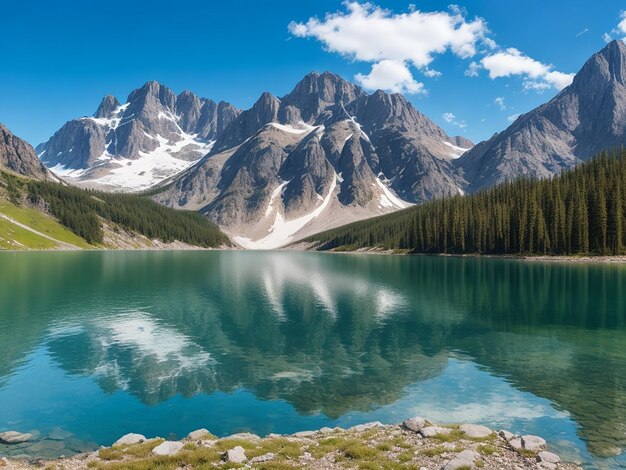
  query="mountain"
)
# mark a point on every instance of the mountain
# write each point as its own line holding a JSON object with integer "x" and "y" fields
{"x": 19, "y": 156}
{"x": 584, "y": 118}
{"x": 132, "y": 146}
{"x": 324, "y": 154}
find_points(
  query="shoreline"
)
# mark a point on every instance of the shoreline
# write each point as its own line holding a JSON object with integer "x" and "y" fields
{"x": 414, "y": 444}
{"x": 582, "y": 259}
{"x": 176, "y": 246}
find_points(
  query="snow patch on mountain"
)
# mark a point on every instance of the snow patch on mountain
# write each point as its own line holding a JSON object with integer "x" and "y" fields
{"x": 389, "y": 199}
{"x": 282, "y": 231}
{"x": 457, "y": 152}
{"x": 151, "y": 167}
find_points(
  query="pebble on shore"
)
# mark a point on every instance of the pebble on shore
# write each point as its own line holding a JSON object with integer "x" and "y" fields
{"x": 416, "y": 442}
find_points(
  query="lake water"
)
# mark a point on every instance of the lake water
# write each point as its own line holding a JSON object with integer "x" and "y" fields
{"x": 94, "y": 345}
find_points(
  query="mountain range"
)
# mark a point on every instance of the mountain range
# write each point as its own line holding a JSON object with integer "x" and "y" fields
{"x": 325, "y": 154}
{"x": 133, "y": 146}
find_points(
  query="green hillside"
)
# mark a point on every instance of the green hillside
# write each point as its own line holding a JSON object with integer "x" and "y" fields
{"x": 76, "y": 217}
{"x": 579, "y": 212}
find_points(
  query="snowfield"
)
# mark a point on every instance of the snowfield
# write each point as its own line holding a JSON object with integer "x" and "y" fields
{"x": 282, "y": 231}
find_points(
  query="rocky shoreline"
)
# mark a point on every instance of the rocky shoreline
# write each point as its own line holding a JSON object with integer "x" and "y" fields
{"x": 414, "y": 444}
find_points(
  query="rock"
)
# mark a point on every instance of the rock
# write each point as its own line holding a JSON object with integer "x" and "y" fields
{"x": 414, "y": 424}
{"x": 516, "y": 443}
{"x": 130, "y": 439}
{"x": 506, "y": 435}
{"x": 168, "y": 448}
{"x": 305, "y": 434}
{"x": 432, "y": 431}
{"x": 463, "y": 459}
{"x": 197, "y": 434}
{"x": 476, "y": 431}
{"x": 545, "y": 456}
{"x": 547, "y": 465}
{"x": 14, "y": 437}
{"x": 59, "y": 434}
{"x": 366, "y": 426}
{"x": 533, "y": 443}
{"x": 263, "y": 458}
{"x": 273, "y": 435}
{"x": 235, "y": 455}
{"x": 326, "y": 430}
{"x": 245, "y": 436}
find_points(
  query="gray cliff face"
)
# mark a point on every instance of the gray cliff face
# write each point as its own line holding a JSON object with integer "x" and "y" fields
{"x": 326, "y": 146}
{"x": 583, "y": 119}
{"x": 18, "y": 156}
{"x": 154, "y": 119}
{"x": 107, "y": 106}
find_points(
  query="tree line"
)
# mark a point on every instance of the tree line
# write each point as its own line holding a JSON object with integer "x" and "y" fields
{"x": 83, "y": 210}
{"x": 580, "y": 211}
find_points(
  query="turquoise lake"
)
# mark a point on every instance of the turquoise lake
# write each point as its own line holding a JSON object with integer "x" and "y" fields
{"x": 94, "y": 345}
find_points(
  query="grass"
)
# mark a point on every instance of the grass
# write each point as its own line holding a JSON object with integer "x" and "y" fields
{"x": 13, "y": 237}
{"x": 487, "y": 449}
{"x": 42, "y": 223}
{"x": 363, "y": 451}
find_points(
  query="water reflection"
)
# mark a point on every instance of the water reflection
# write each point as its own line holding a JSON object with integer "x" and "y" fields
{"x": 328, "y": 334}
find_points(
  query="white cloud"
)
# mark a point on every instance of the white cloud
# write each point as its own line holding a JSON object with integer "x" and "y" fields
{"x": 500, "y": 102}
{"x": 619, "y": 30}
{"x": 368, "y": 33}
{"x": 582, "y": 32}
{"x": 396, "y": 42}
{"x": 513, "y": 117}
{"x": 472, "y": 69}
{"x": 448, "y": 117}
{"x": 432, "y": 73}
{"x": 451, "y": 119}
{"x": 512, "y": 62}
{"x": 390, "y": 75}
{"x": 621, "y": 27}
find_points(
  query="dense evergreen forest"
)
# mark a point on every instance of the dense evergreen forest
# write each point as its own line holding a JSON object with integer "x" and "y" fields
{"x": 581, "y": 211}
{"x": 82, "y": 211}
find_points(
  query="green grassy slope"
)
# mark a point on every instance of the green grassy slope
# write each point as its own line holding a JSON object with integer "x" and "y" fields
{"x": 75, "y": 216}
{"x": 43, "y": 223}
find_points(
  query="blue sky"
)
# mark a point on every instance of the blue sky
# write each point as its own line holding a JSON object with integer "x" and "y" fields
{"x": 59, "y": 58}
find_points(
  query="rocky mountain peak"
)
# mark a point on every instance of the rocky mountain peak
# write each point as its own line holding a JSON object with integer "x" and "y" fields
{"x": 605, "y": 67}
{"x": 108, "y": 104}
{"x": 583, "y": 119}
{"x": 318, "y": 91}
{"x": 18, "y": 156}
{"x": 152, "y": 93}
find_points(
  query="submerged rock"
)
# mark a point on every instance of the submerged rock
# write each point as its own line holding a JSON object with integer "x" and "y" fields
{"x": 130, "y": 438}
{"x": 14, "y": 437}
{"x": 168, "y": 448}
